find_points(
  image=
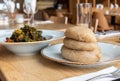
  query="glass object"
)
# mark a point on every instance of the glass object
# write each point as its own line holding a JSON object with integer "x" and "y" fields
{"x": 84, "y": 14}
{"x": 33, "y": 10}
{"x": 11, "y": 9}
{"x": 27, "y": 10}
{"x": 60, "y": 6}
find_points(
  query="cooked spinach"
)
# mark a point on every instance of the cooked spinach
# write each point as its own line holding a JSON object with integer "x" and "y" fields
{"x": 26, "y": 34}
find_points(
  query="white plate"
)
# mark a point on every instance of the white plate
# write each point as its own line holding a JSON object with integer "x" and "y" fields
{"x": 110, "y": 53}
{"x": 109, "y": 33}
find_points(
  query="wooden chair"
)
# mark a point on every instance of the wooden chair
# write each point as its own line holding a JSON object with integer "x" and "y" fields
{"x": 59, "y": 14}
{"x": 102, "y": 24}
{"x": 96, "y": 26}
{"x": 56, "y": 19}
{"x": 41, "y": 15}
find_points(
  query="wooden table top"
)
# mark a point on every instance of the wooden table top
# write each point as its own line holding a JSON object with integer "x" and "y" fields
{"x": 36, "y": 67}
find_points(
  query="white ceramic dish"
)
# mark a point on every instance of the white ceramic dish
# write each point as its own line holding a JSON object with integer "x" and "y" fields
{"x": 109, "y": 33}
{"x": 110, "y": 53}
{"x": 29, "y": 48}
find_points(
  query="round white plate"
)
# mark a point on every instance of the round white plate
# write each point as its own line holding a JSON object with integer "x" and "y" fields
{"x": 110, "y": 53}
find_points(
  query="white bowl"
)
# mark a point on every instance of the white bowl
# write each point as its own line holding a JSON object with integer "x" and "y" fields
{"x": 29, "y": 48}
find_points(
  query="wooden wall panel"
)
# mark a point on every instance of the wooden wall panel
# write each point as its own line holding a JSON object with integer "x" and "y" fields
{"x": 72, "y": 9}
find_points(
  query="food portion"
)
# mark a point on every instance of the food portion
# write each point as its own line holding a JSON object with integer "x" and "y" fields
{"x": 73, "y": 44}
{"x": 82, "y": 34}
{"x": 84, "y": 57}
{"x": 26, "y": 34}
{"x": 80, "y": 45}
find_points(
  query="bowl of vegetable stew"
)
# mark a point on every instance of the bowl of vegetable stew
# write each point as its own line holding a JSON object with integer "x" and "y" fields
{"x": 27, "y": 40}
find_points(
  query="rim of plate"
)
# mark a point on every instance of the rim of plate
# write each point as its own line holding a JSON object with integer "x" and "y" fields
{"x": 77, "y": 63}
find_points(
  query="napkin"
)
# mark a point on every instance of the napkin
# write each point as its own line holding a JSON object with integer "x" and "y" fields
{"x": 107, "y": 34}
{"x": 90, "y": 75}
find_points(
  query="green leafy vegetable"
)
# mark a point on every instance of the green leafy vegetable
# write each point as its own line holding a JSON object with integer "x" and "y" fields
{"x": 26, "y": 34}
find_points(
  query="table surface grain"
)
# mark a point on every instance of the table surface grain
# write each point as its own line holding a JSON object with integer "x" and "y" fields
{"x": 38, "y": 68}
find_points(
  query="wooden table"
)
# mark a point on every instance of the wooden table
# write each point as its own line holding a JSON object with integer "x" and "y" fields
{"x": 38, "y": 68}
